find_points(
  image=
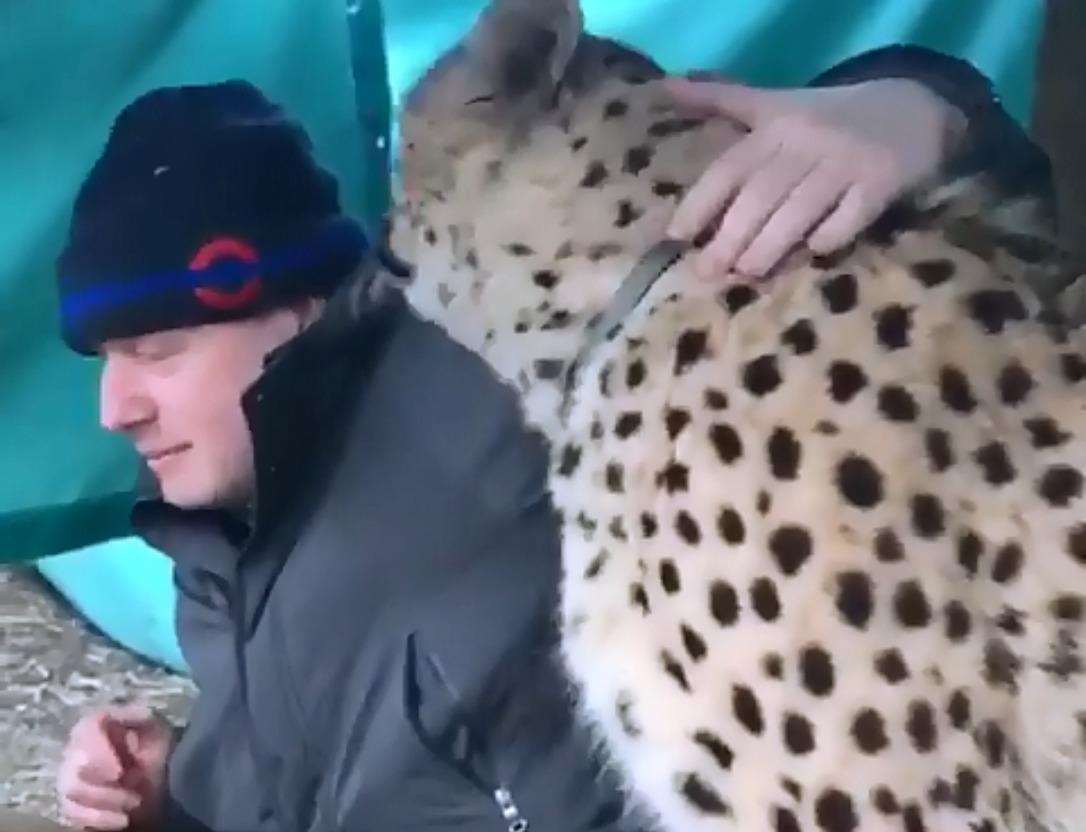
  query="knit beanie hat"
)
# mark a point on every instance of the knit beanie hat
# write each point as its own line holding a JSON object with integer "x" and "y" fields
{"x": 206, "y": 206}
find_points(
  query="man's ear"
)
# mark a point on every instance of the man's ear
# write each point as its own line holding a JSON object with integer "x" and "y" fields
{"x": 307, "y": 310}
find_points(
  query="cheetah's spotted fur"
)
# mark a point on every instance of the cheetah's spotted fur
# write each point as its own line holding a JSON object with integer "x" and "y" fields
{"x": 824, "y": 540}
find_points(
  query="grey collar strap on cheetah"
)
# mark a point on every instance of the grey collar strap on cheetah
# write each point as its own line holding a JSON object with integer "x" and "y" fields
{"x": 642, "y": 277}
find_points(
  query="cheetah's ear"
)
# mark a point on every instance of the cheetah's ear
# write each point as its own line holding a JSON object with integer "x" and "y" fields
{"x": 508, "y": 65}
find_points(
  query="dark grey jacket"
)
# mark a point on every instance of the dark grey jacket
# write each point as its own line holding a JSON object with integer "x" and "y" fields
{"x": 376, "y": 649}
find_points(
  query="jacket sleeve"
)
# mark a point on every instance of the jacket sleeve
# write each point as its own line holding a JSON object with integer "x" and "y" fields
{"x": 995, "y": 143}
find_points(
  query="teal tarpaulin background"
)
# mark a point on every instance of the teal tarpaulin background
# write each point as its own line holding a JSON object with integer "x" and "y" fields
{"x": 66, "y": 69}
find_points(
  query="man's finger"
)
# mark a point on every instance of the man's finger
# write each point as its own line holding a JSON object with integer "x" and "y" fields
{"x": 133, "y": 716}
{"x": 856, "y": 211}
{"x": 749, "y": 105}
{"x": 707, "y": 198}
{"x": 85, "y": 817}
{"x": 758, "y": 199}
{"x": 106, "y": 798}
{"x": 811, "y": 201}
{"x": 97, "y": 760}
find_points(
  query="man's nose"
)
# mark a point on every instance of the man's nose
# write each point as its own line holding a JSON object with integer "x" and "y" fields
{"x": 124, "y": 405}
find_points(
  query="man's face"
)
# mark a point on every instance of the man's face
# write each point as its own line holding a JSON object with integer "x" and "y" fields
{"x": 177, "y": 395}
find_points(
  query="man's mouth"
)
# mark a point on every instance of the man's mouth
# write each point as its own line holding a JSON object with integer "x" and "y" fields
{"x": 160, "y": 455}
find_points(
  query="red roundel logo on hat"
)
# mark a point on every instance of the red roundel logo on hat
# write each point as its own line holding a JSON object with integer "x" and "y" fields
{"x": 216, "y": 251}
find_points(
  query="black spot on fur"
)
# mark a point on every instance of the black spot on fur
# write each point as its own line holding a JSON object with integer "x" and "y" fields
{"x": 687, "y": 528}
{"x": 928, "y": 516}
{"x": 932, "y": 273}
{"x": 675, "y": 478}
{"x": 676, "y": 419}
{"x": 1068, "y": 607}
{"x": 726, "y": 442}
{"x": 627, "y": 214}
{"x": 784, "y": 820}
{"x": 994, "y": 743}
{"x": 520, "y": 250}
{"x": 719, "y": 750}
{"x": 855, "y": 598}
{"x": 675, "y": 670}
{"x": 1059, "y": 485}
{"x": 569, "y": 460}
{"x": 995, "y": 464}
{"x": 703, "y": 796}
{"x": 731, "y": 527}
{"x": 993, "y": 308}
{"x": 834, "y": 812}
{"x": 545, "y": 279}
{"x": 888, "y": 548}
{"x": 715, "y": 399}
{"x": 548, "y": 369}
{"x": 747, "y": 709}
{"x": 940, "y": 453}
{"x": 801, "y": 337}
{"x": 627, "y": 424}
{"x": 897, "y": 404}
{"x": 690, "y": 349}
{"x": 1015, "y": 384}
{"x": 595, "y": 176}
{"x": 1076, "y": 543}
{"x": 614, "y": 477}
{"x": 635, "y": 374}
{"x": 615, "y": 108}
{"x": 637, "y": 159}
{"x": 892, "y": 325}
{"x": 785, "y": 453}
{"x": 911, "y": 605}
{"x": 955, "y": 390}
{"x": 859, "y": 481}
{"x": 798, "y": 733}
{"x": 764, "y": 503}
{"x": 1008, "y": 563}
{"x": 1001, "y": 666}
{"x": 1045, "y": 433}
{"x": 793, "y": 788}
{"x": 649, "y": 525}
{"x": 970, "y": 548}
{"x": 1073, "y": 367}
{"x": 739, "y": 296}
{"x": 884, "y": 801}
{"x": 761, "y": 376}
{"x": 665, "y": 189}
{"x": 723, "y": 603}
{"x": 840, "y": 293}
{"x": 846, "y": 380}
{"x": 958, "y": 621}
{"x": 764, "y": 599}
{"x": 791, "y": 546}
{"x": 773, "y": 665}
{"x": 816, "y": 671}
{"x": 669, "y": 577}
{"x": 920, "y": 726}
{"x": 869, "y": 731}
{"x": 578, "y": 143}
{"x": 639, "y": 598}
{"x": 958, "y": 710}
{"x": 693, "y": 643}
{"x": 890, "y": 665}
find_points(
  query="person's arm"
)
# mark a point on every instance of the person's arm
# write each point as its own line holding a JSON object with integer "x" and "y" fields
{"x": 993, "y": 141}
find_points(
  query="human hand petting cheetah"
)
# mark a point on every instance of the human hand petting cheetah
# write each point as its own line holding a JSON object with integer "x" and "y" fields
{"x": 818, "y": 166}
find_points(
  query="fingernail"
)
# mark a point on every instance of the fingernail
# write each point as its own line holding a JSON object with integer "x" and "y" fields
{"x": 676, "y": 231}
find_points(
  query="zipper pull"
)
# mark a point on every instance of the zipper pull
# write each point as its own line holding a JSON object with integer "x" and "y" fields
{"x": 504, "y": 798}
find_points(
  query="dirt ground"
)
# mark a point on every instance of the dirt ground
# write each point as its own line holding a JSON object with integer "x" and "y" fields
{"x": 53, "y": 667}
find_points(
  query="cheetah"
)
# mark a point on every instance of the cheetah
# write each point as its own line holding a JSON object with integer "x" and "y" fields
{"x": 824, "y": 542}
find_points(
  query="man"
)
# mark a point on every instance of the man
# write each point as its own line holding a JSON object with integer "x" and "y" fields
{"x": 365, "y": 552}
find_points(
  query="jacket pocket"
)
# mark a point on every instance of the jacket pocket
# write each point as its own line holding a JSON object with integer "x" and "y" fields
{"x": 447, "y": 729}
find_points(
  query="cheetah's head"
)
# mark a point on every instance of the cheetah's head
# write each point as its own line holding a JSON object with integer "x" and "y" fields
{"x": 538, "y": 163}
